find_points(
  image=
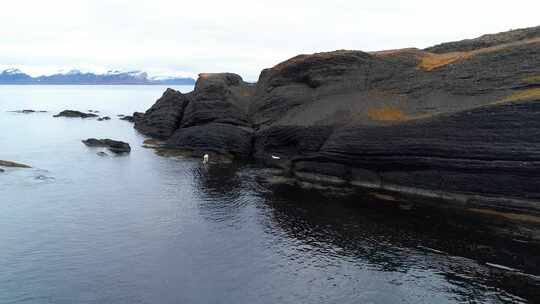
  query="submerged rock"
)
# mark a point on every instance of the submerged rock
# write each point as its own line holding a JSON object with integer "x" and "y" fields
{"x": 133, "y": 118}
{"x": 114, "y": 146}
{"x": 75, "y": 114}
{"x": 11, "y": 164}
{"x": 28, "y": 111}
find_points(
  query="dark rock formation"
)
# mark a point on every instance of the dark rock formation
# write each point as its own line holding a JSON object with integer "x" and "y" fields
{"x": 220, "y": 138}
{"x": 164, "y": 117}
{"x": 113, "y": 145}
{"x": 75, "y": 114}
{"x": 457, "y": 122}
{"x": 212, "y": 118}
{"x": 104, "y": 118}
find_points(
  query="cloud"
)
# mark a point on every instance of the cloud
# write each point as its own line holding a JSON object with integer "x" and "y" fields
{"x": 239, "y": 36}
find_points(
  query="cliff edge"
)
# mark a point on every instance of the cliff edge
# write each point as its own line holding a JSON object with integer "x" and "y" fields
{"x": 458, "y": 122}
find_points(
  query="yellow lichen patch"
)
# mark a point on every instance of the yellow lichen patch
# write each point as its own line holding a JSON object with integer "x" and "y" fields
{"x": 433, "y": 61}
{"x": 532, "y": 79}
{"x": 522, "y": 95}
{"x": 387, "y": 114}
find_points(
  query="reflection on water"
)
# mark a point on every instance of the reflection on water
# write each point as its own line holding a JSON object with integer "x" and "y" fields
{"x": 80, "y": 228}
{"x": 412, "y": 246}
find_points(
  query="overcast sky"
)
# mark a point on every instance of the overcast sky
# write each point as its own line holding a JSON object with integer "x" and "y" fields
{"x": 189, "y": 37}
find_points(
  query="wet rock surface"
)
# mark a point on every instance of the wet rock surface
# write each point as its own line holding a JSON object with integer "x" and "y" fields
{"x": 456, "y": 122}
{"x": 114, "y": 146}
{"x": 132, "y": 118}
{"x": 75, "y": 114}
{"x": 12, "y": 164}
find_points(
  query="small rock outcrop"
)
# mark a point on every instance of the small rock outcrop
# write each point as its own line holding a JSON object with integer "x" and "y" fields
{"x": 114, "y": 146}
{"x": 104, "y": 118}
{"x": 75, "y": 114}
{"x": 12, "y": 164}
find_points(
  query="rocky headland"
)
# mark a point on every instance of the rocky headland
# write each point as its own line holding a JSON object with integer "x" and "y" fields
{"x": 455, "y": 123}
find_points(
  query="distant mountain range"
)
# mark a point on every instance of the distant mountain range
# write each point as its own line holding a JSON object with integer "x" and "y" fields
{"x": 15, "y": 76}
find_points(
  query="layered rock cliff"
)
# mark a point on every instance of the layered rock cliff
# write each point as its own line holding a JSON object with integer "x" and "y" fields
{"x": 458, "y": 121}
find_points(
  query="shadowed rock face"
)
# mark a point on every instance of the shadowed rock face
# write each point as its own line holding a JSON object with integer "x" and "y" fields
{"x": 214, "y": 137}
{"x": 458, "y": 121}
{"x": 164, "y": 117}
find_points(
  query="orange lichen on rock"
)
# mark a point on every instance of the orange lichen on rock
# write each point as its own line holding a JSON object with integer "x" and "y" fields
{"x": 432, "y": 61}
{"x": 387, "y": 114}
{"x": 529, "y": 94}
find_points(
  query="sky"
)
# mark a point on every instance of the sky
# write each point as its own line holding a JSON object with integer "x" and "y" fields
{"x": 184, "y": 38}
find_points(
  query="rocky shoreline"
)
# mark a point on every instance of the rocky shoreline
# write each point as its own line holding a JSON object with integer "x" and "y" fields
{"x": 457, "y": 122}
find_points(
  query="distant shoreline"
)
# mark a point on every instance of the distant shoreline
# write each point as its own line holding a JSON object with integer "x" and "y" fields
{"x": 96, "y": 84}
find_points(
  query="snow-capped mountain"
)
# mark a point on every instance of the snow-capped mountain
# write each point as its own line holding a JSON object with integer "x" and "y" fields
{"x": 76, "y": 76}
{"x": 14, "y": 76}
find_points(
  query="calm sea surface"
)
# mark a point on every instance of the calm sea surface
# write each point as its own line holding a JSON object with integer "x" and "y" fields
{"x": 142, "y": 228}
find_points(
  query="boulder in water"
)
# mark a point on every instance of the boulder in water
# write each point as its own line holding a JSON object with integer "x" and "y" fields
{"x": 114, "y": 146}
{"x": 75, "y": 114}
